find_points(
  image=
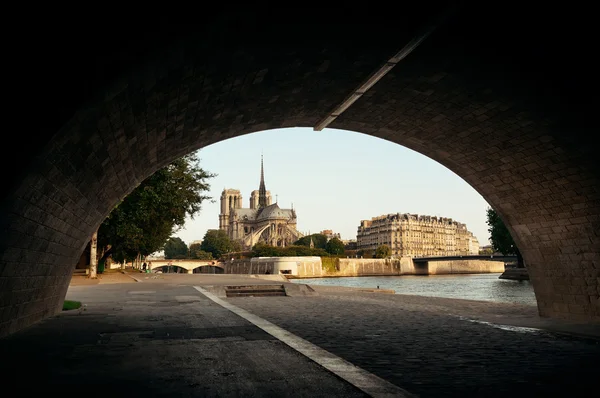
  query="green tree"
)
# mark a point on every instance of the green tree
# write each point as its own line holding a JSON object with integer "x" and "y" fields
{"x": 263, "y": 250}
{"x": 192, "y": 248}
{"x": 383, "y": 251}
{"x": 217, "y": 243}
{"x": 335, "y": 246}
{"x": 197, "y": 253}
{"x": 202, "y": 255}
{"x": 175, "y": 248}
{"x": 486, "y": 251}
{"x": 299, "y": 250}
{"x": 145, "y": 219}
{"x": 500, "y": 237}
{"x": 319, "y": 241}
{"x": 236, "y": 246}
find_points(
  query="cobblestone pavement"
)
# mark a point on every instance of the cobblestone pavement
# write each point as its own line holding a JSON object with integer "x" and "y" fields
{"x": 438, "y": 347}
{"x": 160, "y": 340}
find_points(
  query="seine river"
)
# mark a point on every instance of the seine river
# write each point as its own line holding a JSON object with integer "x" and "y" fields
{"x": 471, "y": 287}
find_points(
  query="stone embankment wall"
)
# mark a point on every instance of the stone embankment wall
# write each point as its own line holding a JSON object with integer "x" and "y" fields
{"x": 308, "y": 265}
{"x": 242, "y": 266}
{"x": 371, "y": 267}
{"x": 464, "y": 267}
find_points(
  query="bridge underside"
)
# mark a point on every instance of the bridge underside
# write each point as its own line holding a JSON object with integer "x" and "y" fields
{"x": 489, "y": 99}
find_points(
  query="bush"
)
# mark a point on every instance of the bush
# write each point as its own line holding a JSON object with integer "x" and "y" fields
{"x": 71, "y": 305}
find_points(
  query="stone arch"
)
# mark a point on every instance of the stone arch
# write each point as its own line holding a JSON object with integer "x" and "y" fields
{"x": 254, "y": 236}
{"x": 208, "y": 269}
{"x": 514, "y": 126}
{"x": 175, "y": 269}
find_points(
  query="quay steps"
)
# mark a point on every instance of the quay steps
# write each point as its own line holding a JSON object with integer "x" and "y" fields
{"x": 255, "y": 291}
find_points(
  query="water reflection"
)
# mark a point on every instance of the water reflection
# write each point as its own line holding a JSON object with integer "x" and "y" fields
{"x": 471, "y": 287}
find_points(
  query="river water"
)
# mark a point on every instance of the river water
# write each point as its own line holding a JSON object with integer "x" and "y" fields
{"x": 485, "y": 287}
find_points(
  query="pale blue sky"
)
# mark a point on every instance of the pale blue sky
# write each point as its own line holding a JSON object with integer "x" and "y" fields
{"x": 335, "y": 178}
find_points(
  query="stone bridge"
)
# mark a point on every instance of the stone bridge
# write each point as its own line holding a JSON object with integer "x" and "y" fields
{"x": 503, "y": 98}
{"x": 190, "y": 266}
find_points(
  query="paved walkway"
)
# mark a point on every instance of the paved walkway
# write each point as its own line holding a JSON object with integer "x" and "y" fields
{"x": 443, "y": 347}
{"x": 161, "y": 336}
{"x": 108, "y": 277}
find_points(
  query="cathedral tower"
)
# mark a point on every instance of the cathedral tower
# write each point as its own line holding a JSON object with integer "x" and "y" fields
{"x": 262, "y": 190}
{"x": 263, "y": 221}
{"x": 230, "y": 199}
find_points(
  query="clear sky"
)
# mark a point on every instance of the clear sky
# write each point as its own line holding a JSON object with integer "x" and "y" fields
{"x": 335, "y": 178}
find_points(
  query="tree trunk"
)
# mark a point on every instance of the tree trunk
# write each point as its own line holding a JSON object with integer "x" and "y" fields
{"x": 93, "y": 257}
{"x": 520, "y": 263}
{"x": 106, "y": 252}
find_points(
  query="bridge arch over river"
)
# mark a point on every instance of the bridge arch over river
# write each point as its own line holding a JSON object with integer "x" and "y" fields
{"x": 508, "y": 110}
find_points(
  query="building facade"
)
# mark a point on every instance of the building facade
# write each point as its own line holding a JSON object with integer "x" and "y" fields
{"x": 330, "y": 234}
{"x": 349, "y": 244}
{"x": 416, "y": 236}
{"x": 263, "y": 221}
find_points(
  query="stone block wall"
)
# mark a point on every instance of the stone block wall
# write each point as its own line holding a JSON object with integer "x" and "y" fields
{"x": 242, "y": 266}
{"x": 516, "y": 124}
{"x": 374, "y": 266}
{"x": 371, "y": 267}
{"x": 465, "y": 267}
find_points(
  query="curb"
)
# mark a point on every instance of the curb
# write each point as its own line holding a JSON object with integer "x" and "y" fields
{"x": 132, "y": 277}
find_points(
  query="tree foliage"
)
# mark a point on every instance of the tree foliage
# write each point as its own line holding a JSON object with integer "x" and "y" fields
{"x": 145, "y": 219}
{"x": 197, "y": 253}
{"x": 175, "y": 248}
{"x": 194, "y": 247}
{"x": 319, "y": 241}
{"x": 217, "y": 243}
{"x": 487, "y": 250}
{"x": 201, "y": 255}
{"x": 383, "y": 251}
{"x": 264, "y": 250}
{"x": 501, "y": 239}
{"x": 334, "y": 246}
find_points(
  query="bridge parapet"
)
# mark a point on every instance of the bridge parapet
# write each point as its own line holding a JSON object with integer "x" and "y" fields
{"x": 188, "y": 265}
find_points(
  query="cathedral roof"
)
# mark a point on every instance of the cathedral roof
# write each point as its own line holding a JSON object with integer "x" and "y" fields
{"x": 273, "y": 211}
{"x": 249, "y": 213}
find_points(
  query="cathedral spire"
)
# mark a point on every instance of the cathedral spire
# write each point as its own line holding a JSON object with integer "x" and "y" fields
{"x": 262, "y": 191}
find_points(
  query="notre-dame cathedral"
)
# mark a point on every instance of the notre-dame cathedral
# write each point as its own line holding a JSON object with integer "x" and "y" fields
{"x": 263, "y": 222}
